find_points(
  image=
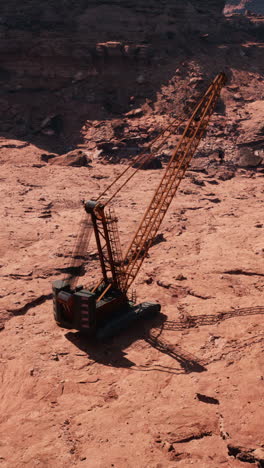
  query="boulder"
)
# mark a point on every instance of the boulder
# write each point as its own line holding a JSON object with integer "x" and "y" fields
{"x": 226, "y": 173}
{"x": 259, "y": 454}
{"x": 152, "y": 163}
{"x": 252, "y": 129}
{"x": 109, "y": 49}
{"x": 52, "y": 124}
{"x": 141, "y": 79}
{"x": 75, "y": 158}
{"x": 246, "y": 157}
{"x": 134, "y": 113}
{"x": 47, "y": 156}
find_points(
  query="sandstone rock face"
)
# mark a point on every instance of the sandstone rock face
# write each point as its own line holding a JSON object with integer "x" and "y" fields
{"x": 252, "y": 129}
{"x": 256, "y": 6}
{"x": 64, "y": 28}
{"x": 87, "y": 56}
{"x": 99, "y": 60}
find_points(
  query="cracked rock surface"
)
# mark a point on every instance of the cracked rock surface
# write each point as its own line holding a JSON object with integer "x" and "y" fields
{"x": 78, "y": 403}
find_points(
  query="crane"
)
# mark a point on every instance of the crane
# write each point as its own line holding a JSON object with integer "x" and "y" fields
{"x": 105, "y": 307}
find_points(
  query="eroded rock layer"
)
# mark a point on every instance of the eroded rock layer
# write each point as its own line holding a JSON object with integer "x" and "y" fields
{"x": 46, "y": 51}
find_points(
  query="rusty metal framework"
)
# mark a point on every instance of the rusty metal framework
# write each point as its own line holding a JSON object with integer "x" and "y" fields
{"x": 109, "y": 247}
{"x": 120, "y": 273}
{"x": 174, "y": 173}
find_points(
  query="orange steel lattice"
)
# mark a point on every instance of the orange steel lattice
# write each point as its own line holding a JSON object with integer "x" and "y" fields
{"x": 174, "y": 173}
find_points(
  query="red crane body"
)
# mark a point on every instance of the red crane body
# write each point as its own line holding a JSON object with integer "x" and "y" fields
{"x": 105, "y": 308}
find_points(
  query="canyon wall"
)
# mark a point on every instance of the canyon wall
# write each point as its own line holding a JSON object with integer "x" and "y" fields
{"x": 89, "y": 55}
{"x": 66, "y": 28}
{"x": 255, "y": 6}
{"x": 79, "y": 61}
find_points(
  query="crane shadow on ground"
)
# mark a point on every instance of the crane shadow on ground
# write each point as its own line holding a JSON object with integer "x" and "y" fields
{"x": 195, "y": 321}
{"x": 113, "y": 351}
